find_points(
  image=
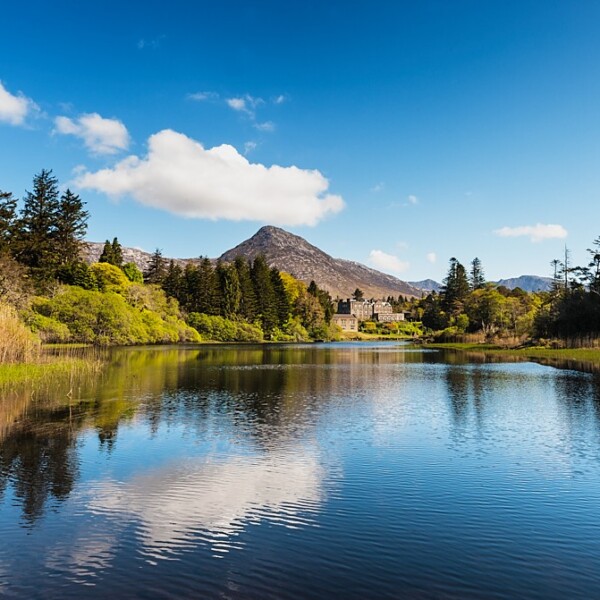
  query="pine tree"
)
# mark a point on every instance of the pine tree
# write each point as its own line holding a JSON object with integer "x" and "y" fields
{"x": 8, "y": 218}
{"x": 71, "y": 226}
{"x": 173, "y": 282}
{"x": 231, "y": 291}
{"x": 248, "y": 303}
{"x": 117, "y": 253}
{"x": 106, "y": 256}
{"x": 265, "y": 295}
{"x": 476, "y": 276}
{"x": 156, "y": 270}
{"x": 456, "y": 286}
{"x": 282, "y": 303}
{"x": 37, "y": 243}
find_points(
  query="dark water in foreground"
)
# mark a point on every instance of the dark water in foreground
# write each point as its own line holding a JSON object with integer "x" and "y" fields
{"x": 347, "y": 471}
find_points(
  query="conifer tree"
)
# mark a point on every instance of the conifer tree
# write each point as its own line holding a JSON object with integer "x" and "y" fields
{"x": 207, "y": 289}
{"x": 231, "y": 291}
{"x": 248, "y": 302}
{"x": 156, "y": 270}
{"x": 172, "y": 282}
{"x": 456, "y": 286}
{"x": 282, "y": 303}
{"x": 265, "y": 295}
{"x": 37, "y": 243}
{"x": 71, "y": 226}
{"x": 117, "y": 253}
{"x": 8, "y": 218}
{"x": 476, "y": 276}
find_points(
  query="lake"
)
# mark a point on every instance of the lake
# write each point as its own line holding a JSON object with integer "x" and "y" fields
{"x": 347, "y": 470}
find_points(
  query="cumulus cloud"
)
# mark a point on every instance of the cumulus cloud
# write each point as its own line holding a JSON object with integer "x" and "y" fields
{"x": 100, "y": 135}
{"x": 431, "y": 257}
{"x": 14, "y": 109}
{"x": 387, "y": 262}
{"x": 536, "y": 233}
{"x": 246, "y": 104}
{"x": 181, "y": 176}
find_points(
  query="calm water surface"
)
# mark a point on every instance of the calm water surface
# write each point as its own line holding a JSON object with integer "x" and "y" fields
{"x": 321, "y": 471}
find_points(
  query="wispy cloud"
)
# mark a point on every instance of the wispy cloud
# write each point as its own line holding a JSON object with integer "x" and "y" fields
{"x": 413, "y": 200}
{"x": 249, "y": 147}
{"x": 536, "y": 233}
{"x": 378, "y": 187}
{"x": 179, "y": 175}
{"x": 15, "y": 108}
{"x": 99, "y": 135}
{"x": 280, "y": 99}
{"x": 153, "y": 43}
{"x": 246, "y": 104}
{"x": 266, "y": 126}
{"x": 387, "y": 262}
{"x": 431, "y": 257}
{"x": 202, "y": 96}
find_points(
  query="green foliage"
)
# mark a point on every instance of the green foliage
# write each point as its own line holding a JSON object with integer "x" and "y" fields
{"x": 109, "y": 278}
{"x": 8, "y": 221}
{"x": 108, "y": 318}
{"x": 132, "y": 273}
{"x": 219, "y": 329}
{"x": 156, "y": 269}
{"x": 77, "y": 273}
{"x": 112, "y": 253}
{"x": 358, "y": 294}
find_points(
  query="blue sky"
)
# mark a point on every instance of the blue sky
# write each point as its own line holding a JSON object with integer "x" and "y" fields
{"x": 393, "y": 133}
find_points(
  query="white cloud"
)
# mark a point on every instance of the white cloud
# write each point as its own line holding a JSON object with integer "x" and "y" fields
{"x": 387, "y": 262}
{"x": 201, "y": 96}
{"x": 100, "y": 135}
{"x": 378, "y": 187}
{"x": 279, "y": 99}
{"x": 15, "y": 109}
{"x": 181, "y": 176}
{"x": 536, "y": 233}
{"x": 431, "y": 257}
{"x": 237, "y": 104}
{"x": 413, "y": 199}
{"x": 249, "y": 147}
{"x": 266, "y": 126}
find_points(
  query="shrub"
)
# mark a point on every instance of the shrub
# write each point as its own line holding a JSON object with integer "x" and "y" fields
{"x": 17, "y": 343}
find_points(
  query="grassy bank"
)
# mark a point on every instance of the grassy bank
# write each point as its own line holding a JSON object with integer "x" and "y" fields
{"x": 46, "y": 370}
{"x": 567, "y": 356}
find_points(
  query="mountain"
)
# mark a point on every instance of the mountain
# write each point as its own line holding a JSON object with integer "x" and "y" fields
{"x": 427, "y": 285}
{"x": 529, "y": 283}
{"x": 293, "y": 254}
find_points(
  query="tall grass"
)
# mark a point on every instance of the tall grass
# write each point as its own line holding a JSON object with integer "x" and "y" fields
{"x": 17, "y": 343}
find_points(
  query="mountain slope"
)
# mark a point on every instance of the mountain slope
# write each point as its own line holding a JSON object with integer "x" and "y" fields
{"x": 291, "y": 253}
{"x": 529, "y": 283}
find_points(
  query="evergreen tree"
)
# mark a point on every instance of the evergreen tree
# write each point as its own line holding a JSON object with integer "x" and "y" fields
{"x": 71, "y": 226}
{"x": 117, "y": 253}
{"x": 265, "y": 295}
{"x": 106, "y": 256}
{"x": 358, "y": 294}
{"x": 189, "y": 287}
{"x": 248, "y": 302}
{"x": 231, "y": 291}
{"x": 456, "y": 287}
{"x": 173, "y": 282}
{"x": 156, "y": 270}
{"x": 476, "y": 276}
{"x": 37, "y": 243}
{"x": 313, "y": 289}
{"x": 282, "y": 303}
{"x": 8, "y": 218}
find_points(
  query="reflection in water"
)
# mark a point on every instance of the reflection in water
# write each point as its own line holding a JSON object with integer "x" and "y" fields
{"x": 178, "y": 502}
{"x": 378, "y": 461}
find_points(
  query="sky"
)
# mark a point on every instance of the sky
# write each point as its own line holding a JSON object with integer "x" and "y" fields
{"x": 394, "y": 133}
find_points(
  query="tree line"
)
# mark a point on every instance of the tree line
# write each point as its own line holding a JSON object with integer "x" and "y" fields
{"x": 42, "y": 247}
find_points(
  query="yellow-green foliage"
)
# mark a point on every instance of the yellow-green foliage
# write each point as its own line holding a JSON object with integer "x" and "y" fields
{"x": 142, "y": 316}
{"x": 220, "y": 329}
{"x": 109, "y": 278}
{"x": 17, "y": 343}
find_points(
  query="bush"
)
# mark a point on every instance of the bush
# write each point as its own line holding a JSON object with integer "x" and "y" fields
{"x": 220, "y": 329}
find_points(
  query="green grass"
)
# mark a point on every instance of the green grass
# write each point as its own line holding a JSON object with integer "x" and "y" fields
{"x": 18, "y": 373}
{"x": 591, "y": 355}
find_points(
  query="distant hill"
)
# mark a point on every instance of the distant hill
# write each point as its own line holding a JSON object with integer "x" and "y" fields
{"x": 291, "y": 253}
{"x": 529, "y": 283}
{"x": 427, "y": 285}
